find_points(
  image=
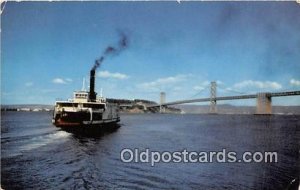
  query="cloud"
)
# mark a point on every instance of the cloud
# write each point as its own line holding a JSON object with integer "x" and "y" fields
{"x": 69, "y": 80}
{"x": 295, "y": 82}
{"x": 28, "y": 84}
{"x": 258, "y": 84}
{"x": 107, "y": 74}
{"x": 59, "y": 81}
{"x": 162, "y": 82}
{"x": 202, "y": 85}
{"x": 62, "y": 81}
{"x": 219, "y": 82}
{"x": 198, "y": 87}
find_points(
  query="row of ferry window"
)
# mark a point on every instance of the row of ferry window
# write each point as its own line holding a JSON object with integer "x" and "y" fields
{"x": 98, "y": 106}
{"x": 81, "y": 95}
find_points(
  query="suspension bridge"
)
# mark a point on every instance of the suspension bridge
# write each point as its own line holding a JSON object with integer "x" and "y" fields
{"x": 263, "y": 100}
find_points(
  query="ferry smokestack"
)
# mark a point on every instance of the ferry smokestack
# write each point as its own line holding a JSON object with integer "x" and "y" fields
{"x": 92, "y": 95}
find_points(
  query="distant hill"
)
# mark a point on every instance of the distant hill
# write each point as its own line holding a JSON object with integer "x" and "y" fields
{"x": 230, "y": 109}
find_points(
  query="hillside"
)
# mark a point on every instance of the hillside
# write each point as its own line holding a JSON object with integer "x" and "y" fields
{"x": 230, "y": 109}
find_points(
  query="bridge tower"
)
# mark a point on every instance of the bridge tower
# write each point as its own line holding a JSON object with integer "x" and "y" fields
{"x": 263, "y": 103}
{"x": 213, "y": 95}
{"x": 162, "y": 101}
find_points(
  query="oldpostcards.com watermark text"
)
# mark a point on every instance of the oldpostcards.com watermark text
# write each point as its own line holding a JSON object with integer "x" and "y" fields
{"x": 147, "y": 156}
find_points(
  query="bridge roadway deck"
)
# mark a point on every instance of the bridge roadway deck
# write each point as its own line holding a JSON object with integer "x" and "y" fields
{"x": 249, "y": 96}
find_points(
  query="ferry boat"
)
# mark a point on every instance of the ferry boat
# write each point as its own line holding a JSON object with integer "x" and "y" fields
{"x": 85, "y": 109}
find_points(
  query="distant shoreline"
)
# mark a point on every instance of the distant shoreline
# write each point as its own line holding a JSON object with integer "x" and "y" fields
{"x": 179, "y": 109}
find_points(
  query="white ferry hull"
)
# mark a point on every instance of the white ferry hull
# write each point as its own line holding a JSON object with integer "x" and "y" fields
{"x": 72, "y": 117}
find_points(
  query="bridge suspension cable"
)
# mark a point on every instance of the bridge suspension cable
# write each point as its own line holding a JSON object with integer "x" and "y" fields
{"x": 230, "y": 90}
{"x": 198, "y": 93}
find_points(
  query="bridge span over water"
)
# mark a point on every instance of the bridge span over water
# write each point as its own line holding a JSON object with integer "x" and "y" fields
{"x": 263, "y": 102}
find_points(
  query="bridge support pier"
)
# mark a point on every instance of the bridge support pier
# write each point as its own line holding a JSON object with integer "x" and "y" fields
{"x": 263, "y": 103}
{"x": 213, "y": 95}
{"x": 162, "y": 109}
{"x": 162, "y": 101}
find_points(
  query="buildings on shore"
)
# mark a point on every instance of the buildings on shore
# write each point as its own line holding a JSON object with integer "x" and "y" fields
{"x": 26, "y": 109}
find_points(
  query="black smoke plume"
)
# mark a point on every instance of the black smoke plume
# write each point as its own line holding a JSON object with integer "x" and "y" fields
{"x": 112, "y": 50}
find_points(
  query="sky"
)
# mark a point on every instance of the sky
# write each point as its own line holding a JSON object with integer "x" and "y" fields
{"x": 179, "y": 48}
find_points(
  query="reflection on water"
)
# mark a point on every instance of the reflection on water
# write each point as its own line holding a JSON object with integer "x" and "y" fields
{"x": 37, "y": 155}
{"x": 92, "y": 131}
